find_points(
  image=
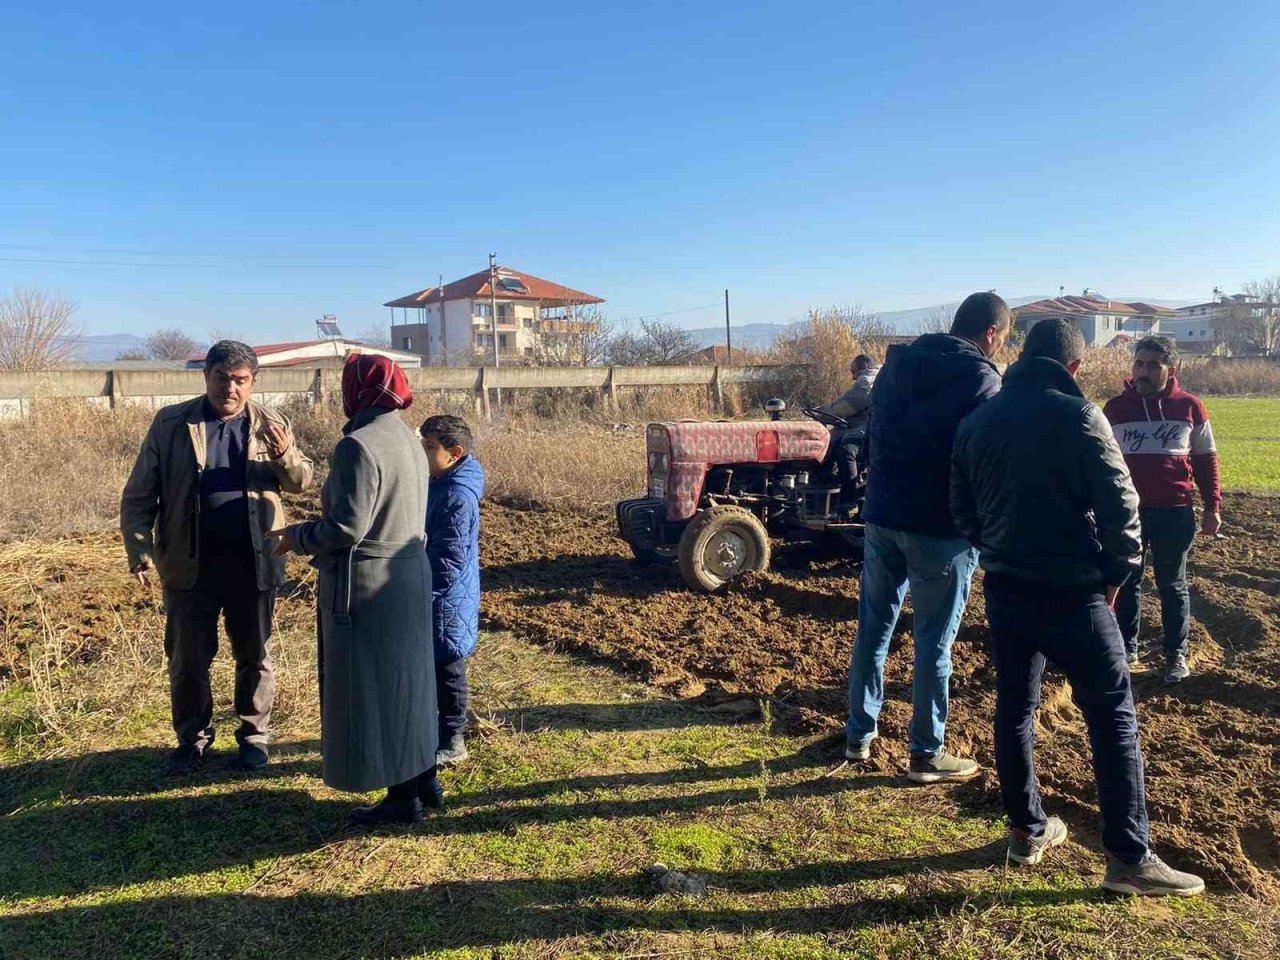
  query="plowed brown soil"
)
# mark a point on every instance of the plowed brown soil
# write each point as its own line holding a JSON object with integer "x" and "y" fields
{"x": 1212, "y": 743}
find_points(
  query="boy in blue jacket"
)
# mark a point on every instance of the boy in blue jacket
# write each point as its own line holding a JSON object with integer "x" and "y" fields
{"x": 453, "y": 547}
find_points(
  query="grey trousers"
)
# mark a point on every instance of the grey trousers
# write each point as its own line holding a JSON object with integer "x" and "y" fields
{"x": 227, "y": 585}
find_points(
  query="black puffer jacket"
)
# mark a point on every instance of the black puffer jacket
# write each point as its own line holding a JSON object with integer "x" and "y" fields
{"x": 921, "y": 394}
{"x": 1039, "y": 486}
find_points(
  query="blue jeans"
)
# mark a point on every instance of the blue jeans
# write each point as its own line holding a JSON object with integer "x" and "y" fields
{"x": 1073, "y": 628}
{"x": 938, "y": 572}
{"x": 1167, "y": 535}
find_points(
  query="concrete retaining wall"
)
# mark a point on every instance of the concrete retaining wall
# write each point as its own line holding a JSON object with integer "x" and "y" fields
{"x": 156, "y": 388}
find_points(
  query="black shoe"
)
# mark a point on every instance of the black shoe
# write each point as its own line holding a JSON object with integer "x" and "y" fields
{"x": 430, "y": 790}
{"x": 185, "y": 759}
{"x": 400, "y": 805}
{"x": 252, "y": 757}
{"x": 453, "y": 750}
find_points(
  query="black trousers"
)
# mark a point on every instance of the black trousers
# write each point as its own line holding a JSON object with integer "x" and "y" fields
{"x": 845, "y": 447}
{"x": 452, "y": 697}
{"x": 1075, "y": 629}
{"x": 227, "y": 586}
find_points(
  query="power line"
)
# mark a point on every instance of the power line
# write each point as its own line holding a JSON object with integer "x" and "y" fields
{"x": 669, "y": 313}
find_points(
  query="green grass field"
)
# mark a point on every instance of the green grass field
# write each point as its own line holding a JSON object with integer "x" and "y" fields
{"x": 1248, "y": 433}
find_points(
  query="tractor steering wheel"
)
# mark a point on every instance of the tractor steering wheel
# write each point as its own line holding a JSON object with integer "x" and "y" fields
{"x": 824, "y": 418}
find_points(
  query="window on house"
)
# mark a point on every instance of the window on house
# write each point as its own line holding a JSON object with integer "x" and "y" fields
{"x": 528, "y": 323}
{"x": 406, "y": 343}
{"x": 502, "y": 341}
{"x": 482, "y": 310}
{"x": 504, "y": 311}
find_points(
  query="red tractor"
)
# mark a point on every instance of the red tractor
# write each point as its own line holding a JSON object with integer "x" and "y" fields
{"x": 719, "y": 490}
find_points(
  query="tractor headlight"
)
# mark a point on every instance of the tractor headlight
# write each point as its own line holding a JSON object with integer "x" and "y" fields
{"x": 658, "y": 468}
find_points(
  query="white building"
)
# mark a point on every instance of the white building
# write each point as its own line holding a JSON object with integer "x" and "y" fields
{"x": 455, "y": 323}
{"x": 1205, "y": 327}
{"x": 1100, "y": 320}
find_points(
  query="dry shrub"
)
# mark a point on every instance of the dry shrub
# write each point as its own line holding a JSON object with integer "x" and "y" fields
{"x": 822, "y": 347}
{"x": 1104, "y": 371}
{"x": 1225, "y": 377}
{"x": 576, "y": 466}
{"x": 62, "y": 468}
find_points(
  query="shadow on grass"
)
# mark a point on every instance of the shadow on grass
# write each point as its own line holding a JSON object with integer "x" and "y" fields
{"x": 135, "y": 771}
{"x": 708, "y": 709}
{"x": 74, "y": 848}
{"x": 497, "y": 912}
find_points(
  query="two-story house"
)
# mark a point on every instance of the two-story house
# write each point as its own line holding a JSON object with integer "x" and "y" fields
{"x": 1102, "y": 321}
{"x": 455, "y": 323}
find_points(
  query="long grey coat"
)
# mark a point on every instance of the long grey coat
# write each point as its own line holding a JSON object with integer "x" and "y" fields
{"x": 377, "y": 671}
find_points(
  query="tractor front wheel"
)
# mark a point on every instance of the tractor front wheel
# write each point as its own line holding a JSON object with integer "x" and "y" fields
{"x": 721, "y": 543}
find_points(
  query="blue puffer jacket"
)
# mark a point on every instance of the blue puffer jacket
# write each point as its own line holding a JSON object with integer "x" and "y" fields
{"x": 923, "y": 391}
{"x": 453, "y": 547}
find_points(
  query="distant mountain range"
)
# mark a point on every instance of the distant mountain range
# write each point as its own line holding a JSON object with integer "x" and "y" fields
{"x": 107, "y": 346}
{"x": 749, "y": 336}
{"x": 760, "y": 336}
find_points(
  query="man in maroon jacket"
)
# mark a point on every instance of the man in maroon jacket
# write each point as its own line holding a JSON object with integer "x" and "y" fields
{"x": 1168, "y": 444}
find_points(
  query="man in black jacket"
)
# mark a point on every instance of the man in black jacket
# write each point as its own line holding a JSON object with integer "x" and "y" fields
{"x": 921, "y": 393}
{"x": 1040, "y": 488}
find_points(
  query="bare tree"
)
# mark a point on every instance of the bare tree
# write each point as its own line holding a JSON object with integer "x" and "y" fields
{"x": 937, "y": 320}
{"x": 667, "y": 342}
{"x": 657, "y": 343}
{"x": 377, "y": 335}
{"x": 224, "y": 333}
{"x": 627, "y": 350}
{"x": 133, "y": 355}
{"x": 1253, "y": 324}
{"x": 170, "y": 344}
{"x": 581, "y": 338}
{"x": 36, "y": 331}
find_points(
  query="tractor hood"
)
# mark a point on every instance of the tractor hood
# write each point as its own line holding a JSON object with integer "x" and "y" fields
{"x": 740, "y": 441}
{"x": 692, "y": 447}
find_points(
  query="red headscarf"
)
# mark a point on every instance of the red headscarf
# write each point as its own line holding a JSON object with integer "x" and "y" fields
{"x": 370, "y": 380}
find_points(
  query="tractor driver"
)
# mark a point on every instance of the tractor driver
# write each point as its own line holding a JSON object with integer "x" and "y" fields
{"x": 853, "y": 408}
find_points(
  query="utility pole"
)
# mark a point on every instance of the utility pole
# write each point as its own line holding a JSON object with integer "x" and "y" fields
{"x": 493, "y": 303}
{"x": 728, "y": 333}
{"x": 444, "y": 335}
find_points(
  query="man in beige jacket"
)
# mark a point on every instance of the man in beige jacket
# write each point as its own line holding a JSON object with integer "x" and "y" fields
{"x": 196, "y": 509}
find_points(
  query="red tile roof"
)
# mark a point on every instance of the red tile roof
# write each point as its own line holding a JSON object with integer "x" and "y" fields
{"x": 1144, "y": 307}
{"x": 476, "y": 286}
{"x": 1080, "y": 305}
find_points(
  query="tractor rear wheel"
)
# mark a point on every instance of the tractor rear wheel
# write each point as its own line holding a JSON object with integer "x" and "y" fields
{"x": 721, "y": 543}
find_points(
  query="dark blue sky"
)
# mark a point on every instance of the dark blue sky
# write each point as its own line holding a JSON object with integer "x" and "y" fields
{"x": 257, "y": 165}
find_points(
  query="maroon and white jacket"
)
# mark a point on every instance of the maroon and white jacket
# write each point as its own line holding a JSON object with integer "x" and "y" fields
{"x": 1168, "y": 444}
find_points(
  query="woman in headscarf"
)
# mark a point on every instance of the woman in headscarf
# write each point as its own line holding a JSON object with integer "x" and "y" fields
{"x": 377, "y": 672}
